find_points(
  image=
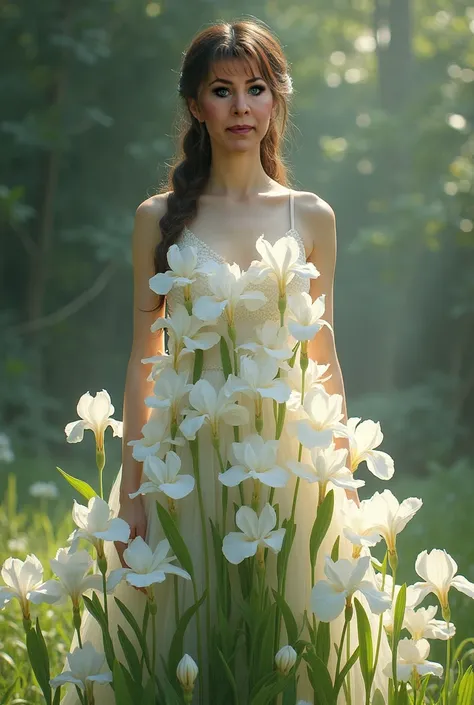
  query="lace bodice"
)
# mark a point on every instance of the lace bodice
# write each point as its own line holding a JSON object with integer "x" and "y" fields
{"x": 245, "y": 320}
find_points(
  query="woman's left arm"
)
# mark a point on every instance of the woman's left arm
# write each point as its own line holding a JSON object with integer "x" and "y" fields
{"x": 321, "y": 223}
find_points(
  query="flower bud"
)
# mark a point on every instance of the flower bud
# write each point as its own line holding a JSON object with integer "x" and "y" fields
{"x": 186, "y": 673}
{"x": 285, "y": 659}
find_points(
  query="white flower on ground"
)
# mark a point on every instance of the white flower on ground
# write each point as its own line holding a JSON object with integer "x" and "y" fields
{"x": 422, "y": 625}
{"x": 255, "y": 458}
{"x": 357, "y": 526}
{"x": 96, "y": 523}
{"x": 182, "y": 271}
{"x": 156, "y": 436}
{"x": 304, "y": 315}
{"x": 270, "y": 339}
{"x": 281, "y": 262}
{"x": 388, "y": 517}
{"x": 6, "y": 453}
{"x": 46, "y": 490}
{"x": 285, "y": 659}
{"x": 72, "y": 570}
{"x": 345, "y": 577}
{"x": 257, "y": 380}
{"x": 322, "y": 421}
{"x": 84, "y": 668}
{"x": 95, "y": 413}
{"x": 147, "y": 567}
{"x": 186, "y": 673}
{"x": 170, "y": 392}
{"x": 411, "y": 656}
{"x": 20, "y": 578}
{"x": 185, "y": 333}
{"x": 227, "y": 284}
{"x": 439, "y": 570}
{"x": 364, "y": 438}
{"x": 164, "y": 477}
{"x": 18, "y": 544}
{"x": 211, "y": 407}
{"x": 255, "y": 532}
{"x": 328, "y": 466}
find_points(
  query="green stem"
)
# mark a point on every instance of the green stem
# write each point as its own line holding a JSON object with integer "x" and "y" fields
{"x": 379, "y": 633}
{"x": 76, "y": 619}
{"x": 100, "y": 462}
{"x": 348, "y": 655}
{"x": 448, "y": 658}
{"x": 348, "y": 617}
{"x": 176, "y": 599}
{"x": 195, "y": 456}
{"x": 153, "y": 611}
{"x": 199, "y": 643}
{"x": 287, "y": 553}
{"x": 225, "y": 489}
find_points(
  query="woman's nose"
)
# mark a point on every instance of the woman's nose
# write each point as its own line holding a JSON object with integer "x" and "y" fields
{"x": 240, "y": 102}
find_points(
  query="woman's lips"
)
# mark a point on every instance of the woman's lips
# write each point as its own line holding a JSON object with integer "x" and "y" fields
{"x": 240, "y": 130}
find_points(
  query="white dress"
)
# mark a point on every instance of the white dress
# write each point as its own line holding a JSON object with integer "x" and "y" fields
{"x": 298, "y": 588}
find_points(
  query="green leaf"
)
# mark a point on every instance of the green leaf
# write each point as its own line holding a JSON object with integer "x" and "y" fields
{"x": 267, "y": 694}
{"x": 38, "y": 663}
{"x": 9, "y": 692}
{"x": 230, "y": 677}
{"x": 399, "y": 614}
{"x": 321, "y": 526}
{"x": 378, "y": 698}
{"x": 57, "y": 696}
{"x": 138, "y": 632}
{"x": 225, "y": 357}
{"x": 175, "y": 539}
{"x": 345, "y": 670}
{"x": 290, "y": 694}
{"x": 176, "y": 650}
{"x": 130, "y": 653}
{"x": 122, "y": 696}
{"x": 198, "y": 363}
{"x": 335, "y": 550}
{"x": 323, "y": 641}
{"x": 95, "y": 608}
{"x": 288, "y": 617}
{"x": 265, "y": 643}
{"x": 365, "y": 645}
{"x": 466, "y": 688}
{"x": 320, "y": 679}
{"x": 82, "y": 487}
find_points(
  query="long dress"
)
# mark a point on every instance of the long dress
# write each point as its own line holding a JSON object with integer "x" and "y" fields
{"x": 298, "y": 590}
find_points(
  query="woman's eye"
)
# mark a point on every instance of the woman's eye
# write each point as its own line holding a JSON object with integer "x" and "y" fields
{"x": 223, "y": 88}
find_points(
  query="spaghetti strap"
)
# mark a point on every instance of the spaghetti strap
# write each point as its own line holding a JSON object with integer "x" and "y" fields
{"x": 292, "y": 211}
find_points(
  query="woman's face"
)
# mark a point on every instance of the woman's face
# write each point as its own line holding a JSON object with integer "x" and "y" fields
{"x": 232, "y": 96}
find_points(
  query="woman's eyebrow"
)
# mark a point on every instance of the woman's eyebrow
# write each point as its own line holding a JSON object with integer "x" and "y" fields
{"x": 225, "y": 80}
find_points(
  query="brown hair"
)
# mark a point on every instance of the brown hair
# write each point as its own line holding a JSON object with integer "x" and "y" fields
{"x": 188, "y": 176}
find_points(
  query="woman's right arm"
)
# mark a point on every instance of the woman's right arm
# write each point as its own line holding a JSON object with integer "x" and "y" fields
{"x": 145, "y": 238}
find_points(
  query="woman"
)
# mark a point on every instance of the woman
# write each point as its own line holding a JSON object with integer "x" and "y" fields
{"x": 231, "y": 184}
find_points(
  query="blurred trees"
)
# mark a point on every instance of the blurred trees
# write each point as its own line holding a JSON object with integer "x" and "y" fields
{"x": 383, "y": 111}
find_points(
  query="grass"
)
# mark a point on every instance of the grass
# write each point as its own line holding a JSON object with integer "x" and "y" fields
{"x": 41, "y": 527}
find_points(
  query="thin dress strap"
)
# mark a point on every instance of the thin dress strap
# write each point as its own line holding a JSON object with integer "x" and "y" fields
{"x": 292, "y": 211}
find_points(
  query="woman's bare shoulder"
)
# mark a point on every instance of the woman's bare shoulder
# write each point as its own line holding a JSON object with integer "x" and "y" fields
{"x": 315, "y": 217}
{"x": 151, "y": 210}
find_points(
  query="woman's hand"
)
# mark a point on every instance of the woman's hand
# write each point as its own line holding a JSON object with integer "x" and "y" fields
{"x": 133, "y": 512}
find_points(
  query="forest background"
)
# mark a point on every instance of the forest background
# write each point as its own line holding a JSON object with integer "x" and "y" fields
{"x": 382, "y": 119}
